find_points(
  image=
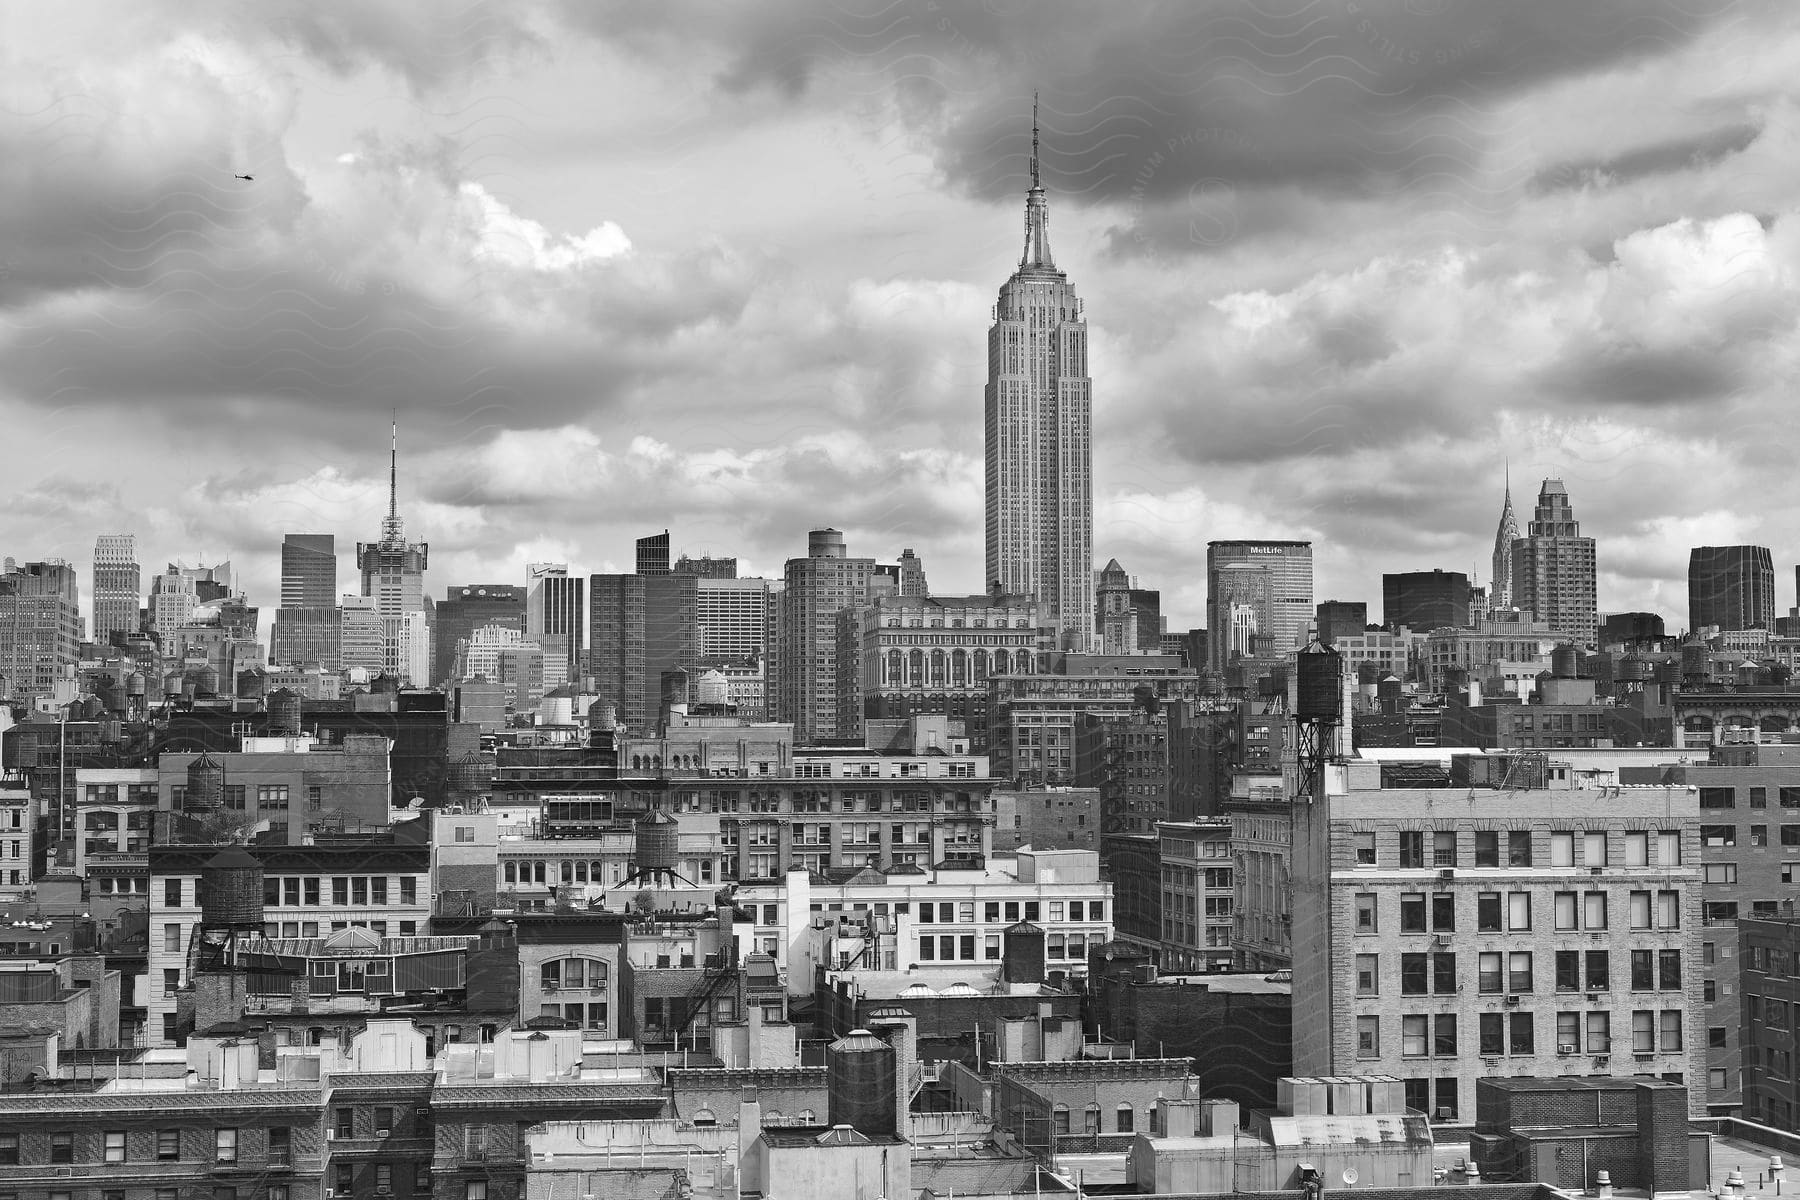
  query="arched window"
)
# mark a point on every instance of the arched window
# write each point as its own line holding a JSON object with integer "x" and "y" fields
{"x": 915, "y": 669}
{"x": 1092, "y": 1123}
{"x": 512, "y": 872}
{"x": 581, "y": 871}
{"x": 959, "y": 668}
{"x": 1059, "y": 1119}
{"x": 805, "y": 1117}
{"x": 937, "y": 668}
{"x": 568, "y": 871}
{"x": 1125, "y": 1121}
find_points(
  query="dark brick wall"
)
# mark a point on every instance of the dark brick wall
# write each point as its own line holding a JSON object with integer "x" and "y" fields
{"x": 1241, "y": 1043}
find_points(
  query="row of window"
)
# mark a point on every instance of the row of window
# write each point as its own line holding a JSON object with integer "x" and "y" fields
{"x": 1435, "y": 1035}
{"x": 115, "y": 1147}
{"x": 948, "y": 912}
{"x": 1715, "y": 836}
{"x": 950, "y": 947}
{"x": 1512, "y": 972}
{"x": 1726, "y": 797}
{"x": 1497, "y": 912}
{"x": 1418, "y": 849}
{"x": 296, "y": 891}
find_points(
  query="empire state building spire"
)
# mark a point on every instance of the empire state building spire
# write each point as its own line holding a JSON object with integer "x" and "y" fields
{"x": 1037, "y": 211}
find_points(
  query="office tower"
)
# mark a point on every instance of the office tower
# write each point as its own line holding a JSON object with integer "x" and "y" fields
{"x": 639, "y": 627}
{"x": 362, "y": 641}
{"x": 463, "y": 610}
{"x": 179, "y": 590}
{"x": 393, "y": 575}
{"x": 1340, "y": 618}
{"x": 733, "y": 617}
{"x": 1237, "y": 612}
{"x": 1500, "y": 587}
{"x": 1282, "y": 625}
{"x": 815, "y": 589}
{"x": 556, "y": 617}
{"x": 1731, "y": 587}
{"x": 1425, "y": 600}
{"x": 653, "y": 554}
{"x": 307, "y": 628}
{"x": 1632, "y": 629}
{"x": 118, "y": 589}
{"x": 706, "y": 567}
{"x": 309, "y": 570}
{"x": 1553, "y": 568}
{"x": 1039, "y": 426}
{"x": 40, "y": 626}
{"x": 1127, "y": 618}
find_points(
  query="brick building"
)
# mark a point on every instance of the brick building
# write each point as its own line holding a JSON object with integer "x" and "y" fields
{"x": 1443, "y": 935}
{"x": 1051, "y": 818}
{"x": 1197, "y": 897}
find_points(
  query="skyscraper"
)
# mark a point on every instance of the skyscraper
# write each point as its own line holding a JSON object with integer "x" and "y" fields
{"x": 653, "y": 554}
{"x": 1553, "y": 568}
{"x": 1127, "y": 618}
{"x": 817, "y": 588}
{"x": 1290, "y": 608}
{"x": 1500, "y": 588}
{"x": 307, "y": 626}
{"x": 393, "y": 575}
{"x": 1039, "y": 425}
{"x": 1731, "y": 587}
{"x": 40, "y": 626}
{"x": 309, "y": 570}
{"x": 733, "y": 617}
{"x": 556, "y": 617}
{"x": 1425, "y": 600}
{"x": 640, "y": 626}
{"x": 466, "y": 610}
{"x": 118, "y": 587}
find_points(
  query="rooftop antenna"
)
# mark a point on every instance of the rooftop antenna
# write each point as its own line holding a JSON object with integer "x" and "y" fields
{"x": 1034, "y": 139}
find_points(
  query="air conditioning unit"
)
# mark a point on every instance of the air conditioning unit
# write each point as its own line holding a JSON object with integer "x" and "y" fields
{"x": 331, "y": 1135}
{"x": 1512, "y": 1001}
{"x": 1443, "y": 939}
{"x": 63, "y": 1172}
{"x": 1447, "y": 873}
{"x": 1568, "y": 1048}
{"x": 384, "y": 1191}
{"x": 1595, "y": 870}
{"x": 1593, "y": 997}
{"x": 1446, "y": 1114}
{"x": 382, "y": 1132}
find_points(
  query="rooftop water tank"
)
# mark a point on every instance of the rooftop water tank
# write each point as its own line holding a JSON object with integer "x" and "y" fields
{"x": 205, "y": 785}
{"x": 1319, "y": 694}
{"x": 231, "y": 891}
{"x": 862, "y": 1072}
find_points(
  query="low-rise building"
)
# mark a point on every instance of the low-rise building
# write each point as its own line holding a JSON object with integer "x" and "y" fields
{"x": 1198, "y": 895}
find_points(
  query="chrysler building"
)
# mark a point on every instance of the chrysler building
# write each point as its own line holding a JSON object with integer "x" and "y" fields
{"x": 1040, "y": 456}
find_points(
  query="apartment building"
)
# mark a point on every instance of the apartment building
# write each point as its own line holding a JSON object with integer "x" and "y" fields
{"x": 1446, "y": 934}
{"x": 1198, "y": 896}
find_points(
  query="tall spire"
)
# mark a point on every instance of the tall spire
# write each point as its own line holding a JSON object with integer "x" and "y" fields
{"x": 1037, "y": 214}
{"x": 393, "y": 533}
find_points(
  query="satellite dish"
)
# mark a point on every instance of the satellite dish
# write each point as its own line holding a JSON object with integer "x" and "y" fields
{"x": 1349, "y": 1174}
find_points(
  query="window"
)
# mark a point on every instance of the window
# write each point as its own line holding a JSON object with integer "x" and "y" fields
{"x": 1790, "y": 797}
{"x": 114, "y": 1147}
{"x": 1518, "y": 848}
{"x": 1365, "y": 849}
{"x": 1125, "y": 1119}
{"x": 1412, "y": 912}
{"x": 1562, "y": 849}
{"x": 1718, "y": 797}
{"x": 1487, "y": 912}
{"x": 1518, "y": 971}
{"x": 1599, "y": 1033}
{"x": 225, "y": 1145}
{"x": 1443, "y": 912}
{"x": 1443, "y": 973}
{"x": 1415, "y": 1036}
{"x": 1491, "y": 1033}
{"x": 1368, "y": 1037}
{"x": 1368, "y": 974}
{"x": 171, "y": 893}
{"x": 1715, "y": 1038}
{"x": 168, "y": 1144}
{"x": 1487, "y": 848}
{"x": 1643, "y": 1032}
{"x": 1518, "y": 910}
{"x": 62, "y": 1147}
{"x": 1720, "y": 872}
{"x": 1593, "y": 910}
{"x": 1365, "y": 913}
{"x": 1671, "y": 1030}
{"x": 1523, "y": 1032}
{"x": 171, "y": 939}
{"x": 1565, "y": 910}
{"x": 384, "y": 1122}
{"x": 1599, "y": 971}
{"x": 1412, "y": 849}
{"x": 1488, "y": 978}
{"x": 9, "y": 1148}
{"x": 1643, "y": 970}
{"x": 344, "y": 1122}
{"x": 1413, "y": 976}
{"x": 1636, "y": 846}
{"x": 1759, "y": 835}
{"x": 1568, "y": 970}
{"x": 1443, "y": 1035}
{"x": 1668, "y": 970}
{"x": 1443, "y": 849}
{"x": 1723, "y": 835}
{"x": 1593, "y": 849}
{"x": 1668, "y": 910}
{"x": 281, "y": 1146}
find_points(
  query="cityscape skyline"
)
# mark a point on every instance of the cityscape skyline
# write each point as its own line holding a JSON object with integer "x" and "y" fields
{"x": 648, "y": 376}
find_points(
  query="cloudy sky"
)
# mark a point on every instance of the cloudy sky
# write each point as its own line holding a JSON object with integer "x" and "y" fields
{"x": 727, "y": 269}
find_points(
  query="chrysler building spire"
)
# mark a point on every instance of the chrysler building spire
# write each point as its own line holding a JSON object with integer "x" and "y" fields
{"x": 1037, "y": 213}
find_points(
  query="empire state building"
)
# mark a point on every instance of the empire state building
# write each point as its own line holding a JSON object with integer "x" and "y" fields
{"x": 1040, "y": 456}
